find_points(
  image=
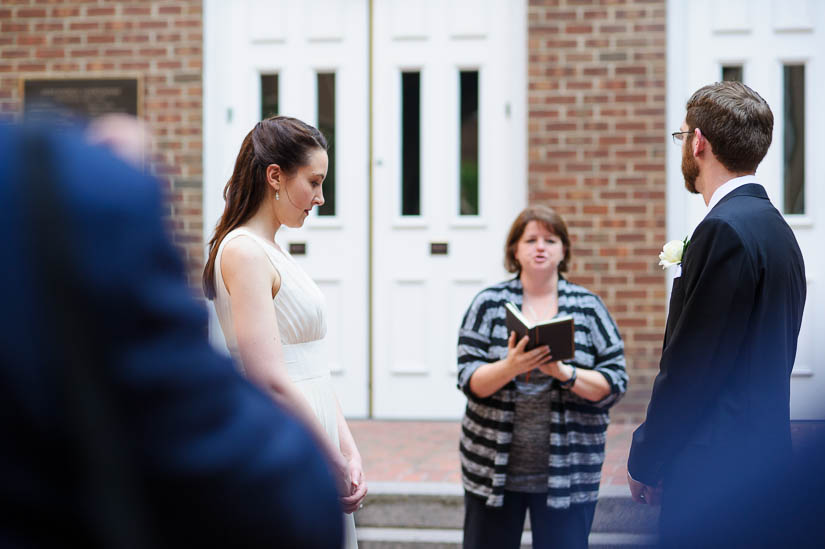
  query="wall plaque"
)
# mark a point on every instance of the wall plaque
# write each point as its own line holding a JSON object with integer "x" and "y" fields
{"x": 67, "y": 100}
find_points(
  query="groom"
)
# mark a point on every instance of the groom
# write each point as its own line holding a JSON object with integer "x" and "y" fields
{"x": 715, "y": 446}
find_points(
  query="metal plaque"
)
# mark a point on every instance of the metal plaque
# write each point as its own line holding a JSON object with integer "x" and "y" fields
{"x": 439, "y": 248}
{"x": 298, "y": 248}
{"x": 67, "y": 100}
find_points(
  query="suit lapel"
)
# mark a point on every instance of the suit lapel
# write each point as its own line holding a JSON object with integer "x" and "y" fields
{"x": 677, "y": 293}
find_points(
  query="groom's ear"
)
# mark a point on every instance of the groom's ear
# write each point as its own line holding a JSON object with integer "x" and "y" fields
{"x": 700, "y": 142}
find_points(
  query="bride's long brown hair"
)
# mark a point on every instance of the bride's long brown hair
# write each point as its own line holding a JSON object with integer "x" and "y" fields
{"x": 280, "y": 140}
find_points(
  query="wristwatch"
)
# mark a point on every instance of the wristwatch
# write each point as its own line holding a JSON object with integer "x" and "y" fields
{"x": 569, "y": 383}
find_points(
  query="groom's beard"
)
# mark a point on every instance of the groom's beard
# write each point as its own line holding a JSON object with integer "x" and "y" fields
{"x": 690, "y": 169}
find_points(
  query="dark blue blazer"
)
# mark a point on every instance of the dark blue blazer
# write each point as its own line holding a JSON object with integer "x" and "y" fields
{"x": 215, "y": 462}
{"x": 718, "y": 417}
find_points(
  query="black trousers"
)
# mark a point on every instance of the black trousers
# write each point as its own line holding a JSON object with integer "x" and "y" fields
{"x": 501, "y": 527}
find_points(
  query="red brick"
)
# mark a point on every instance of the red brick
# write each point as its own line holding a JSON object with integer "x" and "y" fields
{"x": 66, "y": 40}
{"x": 187, "y": 23}
{"x": 31, "y": 40}
{"x": 578, "y": 29}
{"x": 134, "y": 38}
{"x": 87, "y": 52}
{"x": 65, "y": 11}
{"x": 84, "y": 26}
{"x": 137, "y": 10}
{"x": 135, "y": 66}
{"x": 102, "y": 11}
{"x": 50, "y": 53}
{"x": 633, "y": 69}
{"x": 30, "y": 13}
{"x": 153, "y": 24}
{"x": 152, "y": 52}
{"x": 117, "y": 52}
{"x": 100, "y": 66}
{"x": 32, "y": 67}
{"x": 119, "y": 26}
{"x": 49, "y": 27}
{"x": 614, "y": 134}
{"x": 14, "y": 54}
{"x": 65, "y": 67}
{"x": 14, "y": 27}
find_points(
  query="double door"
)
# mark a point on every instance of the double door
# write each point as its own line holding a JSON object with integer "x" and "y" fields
{"x": 425, "y": 108}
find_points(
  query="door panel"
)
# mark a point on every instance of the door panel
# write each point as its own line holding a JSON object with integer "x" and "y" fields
{"x": 421, "y": 293}
{"x": 418, "y": 293}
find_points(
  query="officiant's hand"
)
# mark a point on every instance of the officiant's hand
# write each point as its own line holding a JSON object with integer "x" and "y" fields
{"x": 358, "y": 487}
{"x": 554, "y": 369}
{"x": 522, "y": 361}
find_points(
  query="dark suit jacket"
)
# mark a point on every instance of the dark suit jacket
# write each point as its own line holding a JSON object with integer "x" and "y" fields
{"x": 718, "y": 417}
{"x": 216, "y": 463}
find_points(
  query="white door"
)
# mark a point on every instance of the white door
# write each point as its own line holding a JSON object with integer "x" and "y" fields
{"x": 777, "y": 47}
{"x": 307, "y": 60}
{"x": 449, "y": 177}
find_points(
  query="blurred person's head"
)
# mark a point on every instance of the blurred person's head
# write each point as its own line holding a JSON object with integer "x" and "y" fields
{"x": 734, "y": 122}
{"x": 537, "y": 239}
{"x": 125, "y": 135}
{"x": 281, "y": 166}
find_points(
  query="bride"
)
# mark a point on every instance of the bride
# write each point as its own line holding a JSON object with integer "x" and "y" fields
{"x": 270, "y": 311}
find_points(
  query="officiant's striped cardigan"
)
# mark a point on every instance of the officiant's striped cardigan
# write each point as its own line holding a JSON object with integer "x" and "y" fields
{"x": 578, "y": 427}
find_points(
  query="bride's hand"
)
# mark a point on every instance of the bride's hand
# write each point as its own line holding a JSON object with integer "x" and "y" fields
{"x": 343, "y": 476}
{"x": 358, "y": 487}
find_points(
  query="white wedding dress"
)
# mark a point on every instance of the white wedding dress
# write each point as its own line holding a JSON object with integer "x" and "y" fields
{"x": 299, "y": 308}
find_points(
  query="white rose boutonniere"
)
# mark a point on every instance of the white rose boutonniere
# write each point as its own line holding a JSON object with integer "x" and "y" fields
{"x": 672, "y": 253}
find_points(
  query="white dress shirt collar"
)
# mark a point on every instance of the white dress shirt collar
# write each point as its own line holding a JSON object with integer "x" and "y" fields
{"x": 728, "y": 187}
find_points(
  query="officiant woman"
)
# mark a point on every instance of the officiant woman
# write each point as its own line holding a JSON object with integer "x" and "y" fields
{"x": 534, "y": 428}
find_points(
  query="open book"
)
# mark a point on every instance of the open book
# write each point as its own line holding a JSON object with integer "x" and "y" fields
{"x": 556, "y": 333}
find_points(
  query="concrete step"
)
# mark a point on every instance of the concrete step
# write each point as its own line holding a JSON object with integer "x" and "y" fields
{"x": 420, "y": 505}
{"x": 411, "y": 538}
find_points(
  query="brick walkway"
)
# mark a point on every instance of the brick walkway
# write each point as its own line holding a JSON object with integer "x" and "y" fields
{"x": 427, "y": 451}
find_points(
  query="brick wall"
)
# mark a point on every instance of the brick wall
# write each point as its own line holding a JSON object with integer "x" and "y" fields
{"x": 596, "y": 94}
{"x": 159, "y": 41}
{"x": 596, "y": 76}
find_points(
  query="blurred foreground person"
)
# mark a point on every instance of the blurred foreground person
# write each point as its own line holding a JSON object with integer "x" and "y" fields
{"x": 120, "y": 426}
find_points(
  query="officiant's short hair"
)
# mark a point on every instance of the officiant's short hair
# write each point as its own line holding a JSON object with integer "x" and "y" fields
{"x": 551, "y": 220}
{"x": 736, "y": 121}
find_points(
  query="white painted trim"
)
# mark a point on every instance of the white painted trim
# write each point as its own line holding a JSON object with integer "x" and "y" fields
{"x": 518, "y": 107}
{"x": 677, "y": 65}
{"x": 215, "y": 105}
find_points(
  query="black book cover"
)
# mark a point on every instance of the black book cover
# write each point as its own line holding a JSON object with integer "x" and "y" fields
{"x": 556, "y": 333}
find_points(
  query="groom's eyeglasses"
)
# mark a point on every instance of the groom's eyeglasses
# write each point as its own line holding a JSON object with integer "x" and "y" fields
{"x": 679, "y": 137}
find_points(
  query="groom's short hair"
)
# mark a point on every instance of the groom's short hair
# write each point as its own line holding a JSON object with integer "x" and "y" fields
{"x": 736, "y": 121}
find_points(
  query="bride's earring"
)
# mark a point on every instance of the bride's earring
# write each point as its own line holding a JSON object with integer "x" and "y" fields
{"x": 277, "y": 195}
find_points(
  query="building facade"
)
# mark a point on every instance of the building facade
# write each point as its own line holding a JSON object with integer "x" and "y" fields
{"x": 446, "y": 118}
